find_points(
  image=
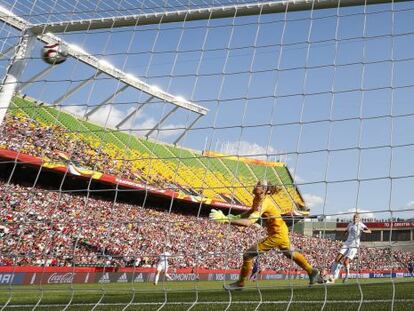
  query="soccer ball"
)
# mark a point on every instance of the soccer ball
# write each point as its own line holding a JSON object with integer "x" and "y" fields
{"x": 329, "y": 279}
{"x": 54, "y": 54}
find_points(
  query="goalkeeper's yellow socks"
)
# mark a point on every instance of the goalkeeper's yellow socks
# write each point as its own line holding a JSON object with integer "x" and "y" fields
{"x": 245, "y": 271}
{"x": 302, "y": 262}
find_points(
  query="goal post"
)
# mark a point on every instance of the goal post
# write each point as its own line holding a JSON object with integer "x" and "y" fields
{"x": 208, "y": 13}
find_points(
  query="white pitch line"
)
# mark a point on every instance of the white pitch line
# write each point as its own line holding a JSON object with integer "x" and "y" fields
{"x": 218, "y": 303}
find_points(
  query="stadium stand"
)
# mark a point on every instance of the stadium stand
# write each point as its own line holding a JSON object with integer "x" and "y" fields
{"x": 46, "y": 228}
{"x": 54, "y": 135}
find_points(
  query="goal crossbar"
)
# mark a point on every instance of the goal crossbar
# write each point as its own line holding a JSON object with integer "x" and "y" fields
{"x": 20, "y": 24}
{"x": 200, "y": 14}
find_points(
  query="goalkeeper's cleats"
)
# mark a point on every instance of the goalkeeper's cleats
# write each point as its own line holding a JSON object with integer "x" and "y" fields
{"x": 233, "y": 286}
{"x": 218, "y": 216}
{"x": 315, "y": 277}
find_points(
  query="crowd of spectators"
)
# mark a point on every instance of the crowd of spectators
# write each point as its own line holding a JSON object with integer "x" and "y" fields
{"x": 56, "y": 144}
{"x": 41, "y": 227}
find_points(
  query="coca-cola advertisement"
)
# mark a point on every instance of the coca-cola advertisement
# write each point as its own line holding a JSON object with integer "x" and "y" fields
{"x": 38, "y": 278}
{"x": 61, "y": 278}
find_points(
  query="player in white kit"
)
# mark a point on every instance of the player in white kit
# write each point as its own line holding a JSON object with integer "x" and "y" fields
{"x": 162, "y": 266}
{"x": 349, "y": 248}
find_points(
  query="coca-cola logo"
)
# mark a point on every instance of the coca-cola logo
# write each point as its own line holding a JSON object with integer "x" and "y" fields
{"x": 61, "y": 278}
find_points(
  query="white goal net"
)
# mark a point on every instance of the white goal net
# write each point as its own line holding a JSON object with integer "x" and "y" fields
{"x": 123, "y": 124}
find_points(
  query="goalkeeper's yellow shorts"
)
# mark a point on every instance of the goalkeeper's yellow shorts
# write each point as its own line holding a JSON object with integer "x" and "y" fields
{"x": 279, "y": 240}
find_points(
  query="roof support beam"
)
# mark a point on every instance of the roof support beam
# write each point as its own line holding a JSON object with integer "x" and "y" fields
{"x": 157, "y": 126}
{"x": 73, "y": 90}
{"x": 228, "y": 11}
{"x": 47, "y": 37}
{"x": 36, "y": 77}
{"x": 105, "y": 101}
{"x": 186, "y": 130}
{"x": 133, "y": 113}
{"x": 7, "y": 51}
{"x": 13, "y": 20}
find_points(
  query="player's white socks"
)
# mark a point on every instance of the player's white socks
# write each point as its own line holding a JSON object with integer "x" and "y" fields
{"x": 157, "y": 276}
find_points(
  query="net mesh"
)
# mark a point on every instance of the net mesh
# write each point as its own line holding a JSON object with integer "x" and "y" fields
{"x": 120, "y": 153}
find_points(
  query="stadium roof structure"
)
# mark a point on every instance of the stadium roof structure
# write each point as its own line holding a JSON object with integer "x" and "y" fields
{"x": 101, "y": 66}
{"x": 45, "y": 31}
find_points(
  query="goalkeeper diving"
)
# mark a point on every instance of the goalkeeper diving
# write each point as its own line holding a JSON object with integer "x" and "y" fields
{"x": 277, "y": 234}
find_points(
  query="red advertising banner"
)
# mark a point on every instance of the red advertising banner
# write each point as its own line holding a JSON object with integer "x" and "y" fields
{"x": 68, "y": 275}
{"x": 382, "y": 225}
{"x": 42, "y": 278}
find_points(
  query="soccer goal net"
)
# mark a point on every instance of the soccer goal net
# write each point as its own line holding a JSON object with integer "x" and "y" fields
{"x": 136, "y": 136}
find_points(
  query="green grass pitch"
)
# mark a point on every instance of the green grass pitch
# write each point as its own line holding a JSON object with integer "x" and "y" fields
{"x": 375, "y": 295}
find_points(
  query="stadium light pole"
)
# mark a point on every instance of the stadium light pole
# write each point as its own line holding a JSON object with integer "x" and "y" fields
{"x": 15, "y": 70}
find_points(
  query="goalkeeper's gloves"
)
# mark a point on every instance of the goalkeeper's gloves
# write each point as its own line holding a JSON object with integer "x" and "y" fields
{"x": 218, "y": 216}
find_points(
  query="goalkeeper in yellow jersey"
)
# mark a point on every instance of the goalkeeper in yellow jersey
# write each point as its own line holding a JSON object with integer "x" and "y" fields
{"x": 277, "y": 234}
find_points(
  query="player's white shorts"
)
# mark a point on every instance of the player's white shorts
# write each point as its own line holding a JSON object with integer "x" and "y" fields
{"x": 349, "y": 251}
{"x": 162, "y": 267}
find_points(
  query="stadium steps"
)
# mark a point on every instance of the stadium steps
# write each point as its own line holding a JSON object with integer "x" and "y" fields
{"x": 85, "y": 128}
{"x": 290, "y": 195}
{"x": 283, "y": 175}
{"x": 172, "y": 168}
{"x": 185, "y": 166}
{"x": 216, "y": 179}
{"x": 243, "y": 178}
{"x": 208, "y": 164}
{"x": 236, "y": 183}
{"x": 264, "y": 172}
{"x": 159, "y": 161}
{"x": 131, "y": 141}
{"x": 224, "y": 178}
{"x": 33, "y": 112}
{"x": 51, "y": 116}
